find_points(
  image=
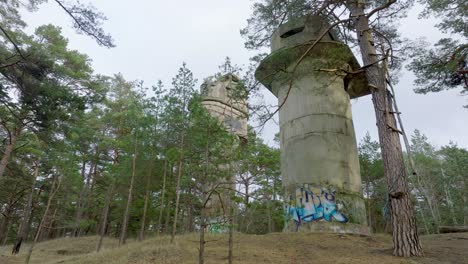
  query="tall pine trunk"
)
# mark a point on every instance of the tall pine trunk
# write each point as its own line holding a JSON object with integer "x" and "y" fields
{"x": 123, "y": 233}
{"x": 205, "y": 199}
{"x": 179, "y": 175}
{"x": 405, "y": 237}
{"x": 56, "y": 184}
{"x": 24, "y": 225}
{"x": 163, "y": 193}
{"x": 147, "y": 195}
{"x": 105, "y": 216}
{"x": 79, "y": 204}
{"x": 5, "y": 225}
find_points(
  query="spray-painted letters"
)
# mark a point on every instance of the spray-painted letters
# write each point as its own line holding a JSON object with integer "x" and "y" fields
{"x": 310, "y": 207}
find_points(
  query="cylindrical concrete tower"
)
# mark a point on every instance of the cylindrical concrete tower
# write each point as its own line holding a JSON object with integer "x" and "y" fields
{"x": 319, "y": 158}
{"x": 222, "y": 97}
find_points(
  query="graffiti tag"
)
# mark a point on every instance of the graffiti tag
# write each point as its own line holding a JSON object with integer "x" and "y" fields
{"x": 217, "y": 228}
{"x": 310, "y": 207}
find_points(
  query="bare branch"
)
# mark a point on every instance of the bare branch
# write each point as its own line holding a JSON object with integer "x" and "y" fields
{"x": 380, "y": 8}
{"x": 12, "y": 42}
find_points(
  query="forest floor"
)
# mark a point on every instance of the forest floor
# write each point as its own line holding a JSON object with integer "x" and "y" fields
{"x": 255, "y": 249}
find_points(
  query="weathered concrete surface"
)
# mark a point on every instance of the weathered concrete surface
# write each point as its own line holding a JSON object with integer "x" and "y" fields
{"x": 219, "y": 100}
{"x": 318, "y": 143}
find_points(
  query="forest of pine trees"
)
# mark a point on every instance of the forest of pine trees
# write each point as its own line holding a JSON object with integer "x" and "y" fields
{"x": 85, "y": 154}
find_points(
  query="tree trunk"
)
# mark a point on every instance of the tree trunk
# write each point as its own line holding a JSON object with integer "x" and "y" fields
{"x": 123, "y": 233}
{"x": 105, "y": 215}
{"x": 201, "y": 250}
{"x": 4, "y": 226}
{"x": 88, "y": 214}
{"x": 24, "y": 225}
{"x": 9, "y": 149}
{"x": 205, "y": 200}
{"x": 168, "y": 214}
{"x": 162, "y": 198}
{"x": 453, "y": 229}
{"x": 168, "y": 207}
{"x": 44, "y": 216}
{"x": 465, "y": 201}
{"x": 231, "y": 229}
{"x": 423, "y": 217}
{"x": 405, "y": 237}
{"x": 179, "y": 175}
{"x": 147, "y": 195}
{"x": 189, "y": 206}
{"x": 369, "y": 205}
{"x": 79, "y": 203}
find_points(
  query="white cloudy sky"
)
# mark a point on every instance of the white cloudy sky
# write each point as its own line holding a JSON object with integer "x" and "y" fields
{"x": 154, "y": 37}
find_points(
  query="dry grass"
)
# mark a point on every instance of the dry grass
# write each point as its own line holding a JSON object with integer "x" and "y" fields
{"x": 250, "y": 249}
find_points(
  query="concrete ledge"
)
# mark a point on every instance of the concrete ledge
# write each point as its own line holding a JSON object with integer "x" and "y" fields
{"x": 278, "y": 66}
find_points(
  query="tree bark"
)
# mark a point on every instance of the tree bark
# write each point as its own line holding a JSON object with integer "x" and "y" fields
{"x": 179, "y": 175}
{"x": 405, "y": 237}
{"x": 24, "y": 225}
{"x": 105, "y": 215}
{"x": 147, "y": 195}
{"x": 123, "y": 233}
{"x": 9, "y": 150}
{"x": 79, "y": 203}
{"x": 231, "y": 229}
{"x": 201, "y": 250}
{"x": 44, "y": 216}
{"x": 4, "y": 226}
{"x": 163, "y": 192}
{"x": 205, "y": 199}
{"x": 189, "y": 206}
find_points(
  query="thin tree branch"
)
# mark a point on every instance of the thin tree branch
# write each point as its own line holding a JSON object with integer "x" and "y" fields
{"x": 12, "y": 42}
{"x": 382, "y": 7}
{"x": 80, "y": 26}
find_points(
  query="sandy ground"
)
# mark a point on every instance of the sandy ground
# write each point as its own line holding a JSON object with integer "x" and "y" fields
{"x": 250, "y": 249}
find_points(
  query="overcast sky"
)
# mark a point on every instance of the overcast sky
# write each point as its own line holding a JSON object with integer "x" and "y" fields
{"x": 154, "y": 37}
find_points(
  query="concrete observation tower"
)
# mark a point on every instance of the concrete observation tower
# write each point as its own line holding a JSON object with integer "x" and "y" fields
{"x": 220, "y": 101}
{"x": 319, "y": 158}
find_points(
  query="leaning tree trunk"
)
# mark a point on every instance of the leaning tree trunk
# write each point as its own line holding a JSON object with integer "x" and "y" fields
{"x": 105, "y": 216}
{"x": 24, "y": 225}
{"x": 44, "y": 216}
{"x": 123, "y": 233}
{"x": 179, "y": 175}
{"x": 9, "y": 150}
{"x": 4, "y": 226}
{"x": 405, "y": 237}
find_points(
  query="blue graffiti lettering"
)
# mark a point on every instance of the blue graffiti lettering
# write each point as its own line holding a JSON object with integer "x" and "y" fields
{"x": 309, "y": 207}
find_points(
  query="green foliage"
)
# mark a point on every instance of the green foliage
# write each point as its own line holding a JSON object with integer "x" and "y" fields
{"x": 374, "y": 185}
{"x": 445, "y": 65}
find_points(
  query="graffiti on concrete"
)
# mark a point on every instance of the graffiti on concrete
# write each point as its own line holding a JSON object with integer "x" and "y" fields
{"x": 310, "y": 206}
{"x": 217, "y": 228}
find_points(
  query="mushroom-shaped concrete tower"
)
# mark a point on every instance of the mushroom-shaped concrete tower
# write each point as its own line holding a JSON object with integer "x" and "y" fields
{"x": 319, "y": 158}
